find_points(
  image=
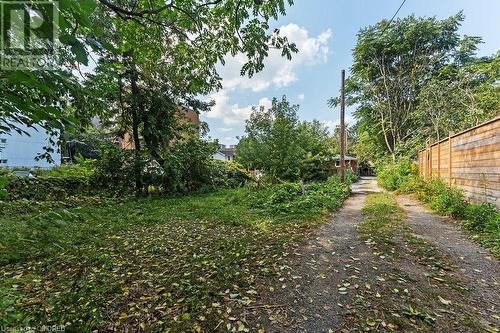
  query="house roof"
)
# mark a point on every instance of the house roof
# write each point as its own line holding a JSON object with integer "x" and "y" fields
{"x": 228, "y": 151}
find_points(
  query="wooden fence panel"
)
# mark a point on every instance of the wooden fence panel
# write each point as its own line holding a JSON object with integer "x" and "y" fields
{"x": 469, "y": 160}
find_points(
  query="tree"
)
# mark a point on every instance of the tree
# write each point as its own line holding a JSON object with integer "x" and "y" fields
{"x": 391, "y": 65}
{"x": 156, "y": 58}
{"x": 41, "y": 97}
{"x": 277, "y": 143}
{"x": 457, "y": 98}
{"x": 172, "y": 46}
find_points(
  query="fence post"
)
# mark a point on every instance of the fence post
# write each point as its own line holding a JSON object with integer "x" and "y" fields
{"x": 426, "y": 174}
{"x": 449, "y": 158}
{"x": 430, "y": 157}
{"x": 439, "y": 159}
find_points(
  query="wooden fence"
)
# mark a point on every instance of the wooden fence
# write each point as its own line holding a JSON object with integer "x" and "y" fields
{"x": 469, "y": 160}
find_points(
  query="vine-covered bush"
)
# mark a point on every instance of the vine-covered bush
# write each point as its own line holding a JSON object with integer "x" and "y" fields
{"x": 442, "y": 198}
{"x": 482, "y": 218}
{"x": 287, "y": 197}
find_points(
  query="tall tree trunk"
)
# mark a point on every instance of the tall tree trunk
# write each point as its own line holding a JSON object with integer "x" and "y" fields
{"x": 135, "y": 131}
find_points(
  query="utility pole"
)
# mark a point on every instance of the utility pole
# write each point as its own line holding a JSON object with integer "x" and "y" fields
{"x": 342, "y": 126}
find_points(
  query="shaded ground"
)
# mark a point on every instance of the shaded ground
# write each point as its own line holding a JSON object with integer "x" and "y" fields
{"x": 368, "y": 271}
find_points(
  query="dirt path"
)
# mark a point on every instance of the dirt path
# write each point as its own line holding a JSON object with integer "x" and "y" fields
{"x": 345, "y": 280}
{"x": 310, "y": 297}
{"x": 479, "y": 270}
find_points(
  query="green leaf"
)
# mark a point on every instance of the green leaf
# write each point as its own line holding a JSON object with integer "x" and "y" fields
{"x": 78, "y": 49}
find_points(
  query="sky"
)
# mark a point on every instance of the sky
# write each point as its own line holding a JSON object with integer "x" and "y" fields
{"x": 325, "y": 33}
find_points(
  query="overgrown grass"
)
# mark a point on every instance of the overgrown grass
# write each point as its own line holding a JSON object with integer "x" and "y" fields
{"x": 159, "y": 264}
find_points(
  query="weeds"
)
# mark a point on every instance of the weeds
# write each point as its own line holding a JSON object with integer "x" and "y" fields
{"x": 157, "y": 264}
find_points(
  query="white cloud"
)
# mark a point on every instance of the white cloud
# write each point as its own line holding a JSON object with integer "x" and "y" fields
{"x": 301, "y": 97}
{"x": 224, "y": 129}
{"x": 331, "y": 124}
{"x": 278, "y": 71}
{"x": 232, "y": 114}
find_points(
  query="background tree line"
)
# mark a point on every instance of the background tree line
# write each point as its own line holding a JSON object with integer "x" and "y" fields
{"x": 417, "y": 78}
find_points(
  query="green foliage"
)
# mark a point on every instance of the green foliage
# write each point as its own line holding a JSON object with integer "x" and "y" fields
{"x": 188, "y": 165}
{"x": 287, "y": 197}
{"x": 84, "y": 169}
{"x": 226, "y": 174}
{"x": 282, "y": 147}
{"x": 482, "y": 217}
{"x": 4, "y": 181}
{"x": 114, "y": 168}
{"x": 459, "y": 97}
{"x": 413, "y": 78}
{"x": 392, "y": 175}
{"x": 47, "y": 188}
{"x": 443, "y": 199}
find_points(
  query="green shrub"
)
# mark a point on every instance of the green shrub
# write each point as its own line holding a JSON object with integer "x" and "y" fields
{"x": 287, "y": 197}
{"x": 47, "y": 188}
{"x": 393, "y": 175}
{"x": 225, "y": 174}
{"x": 83, "y": 169}
{"x": 114, "y": 169}
{"x": 482, "y": 217}
{"x": 443, "y": 199}
{"x": 4, "y": 181}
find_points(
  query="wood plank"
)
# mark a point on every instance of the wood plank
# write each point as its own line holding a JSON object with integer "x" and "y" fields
{"x": 477, "y": 176}
{"x": 491, "y": 200}
{"x": 477, "y": 191}
{"x": 487, "y": 127}
{"x": 478, "y": 183}
{"x": 495, "y": 155}
{"x": 476, "y": 136}
{"x": 485, "y": 170}
{"x": 475, "y": 163}
{"x": 494, "y": 140}
{"x": 488, "y": 148}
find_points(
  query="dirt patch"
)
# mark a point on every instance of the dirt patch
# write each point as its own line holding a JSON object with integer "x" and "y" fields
{"x": 479, "y": 270}
{"x": 316, "y": 290}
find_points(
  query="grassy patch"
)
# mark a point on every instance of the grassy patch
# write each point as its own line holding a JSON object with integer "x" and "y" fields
{"x": 159, "y": 264}
{"x": 383, "y": 216}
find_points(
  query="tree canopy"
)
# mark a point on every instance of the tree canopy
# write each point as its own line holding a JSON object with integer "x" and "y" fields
{"x": 400, "y": 75}
{"x": 277, "y": 143}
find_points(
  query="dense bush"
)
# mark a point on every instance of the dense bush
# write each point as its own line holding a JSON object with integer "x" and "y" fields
{"x": 442, "y": 198}
{"x": 114, "y": 169}
{"x": 47, "y": 188}
{"x": 482, "y": 217}
{"x": 84, "y": 169}
{"x": 392, "y": 175}
{"x": 287, "y": 197}
{"x": 225, "y": 174}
